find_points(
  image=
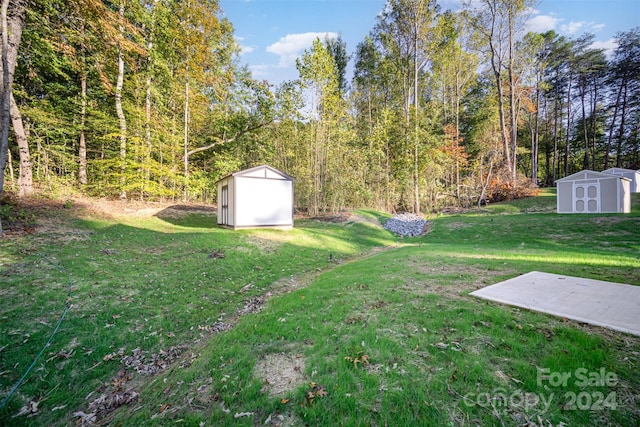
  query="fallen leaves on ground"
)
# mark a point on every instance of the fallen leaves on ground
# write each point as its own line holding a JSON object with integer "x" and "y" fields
{"x": 317, "y": 390}
{"x": 253, "y": 305}
{"x": 155, "y": 363}
{"x": 117, "y": 394}
{"x": 358, "y": 357}
{"x": 29, "y": 409}
{"x": 217, "y": 254}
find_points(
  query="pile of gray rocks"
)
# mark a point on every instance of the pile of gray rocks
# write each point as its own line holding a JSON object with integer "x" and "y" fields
{"x": 407, "y": 224}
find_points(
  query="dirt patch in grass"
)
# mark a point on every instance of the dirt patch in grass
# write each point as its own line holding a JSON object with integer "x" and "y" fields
{"x": 292, "y": 283}
{"x": 280, "y": 372}
{"x": 283, "y": 420}
{"x": 43, "y": 216}
{"x": 452, "y": 280}
{"x": 457, "y": 225}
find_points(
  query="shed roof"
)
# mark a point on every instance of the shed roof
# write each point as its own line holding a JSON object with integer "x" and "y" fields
{"x": 620, "y": 170}
{"x": 264, "y": 168}
{"x": 589, "y": 174}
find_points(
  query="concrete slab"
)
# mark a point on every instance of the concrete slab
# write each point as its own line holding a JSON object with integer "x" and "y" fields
{"x": 612, "y": 305}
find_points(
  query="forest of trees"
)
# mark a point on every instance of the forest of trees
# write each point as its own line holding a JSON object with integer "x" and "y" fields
{"x": 148, "y": 100}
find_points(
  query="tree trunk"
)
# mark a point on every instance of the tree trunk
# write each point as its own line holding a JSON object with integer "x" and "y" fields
{"x": 82, "y": 145}
{"x": 416, "y": 104}
{"x": 12, "y": 178}
{"x": 5, "y": 89}
{"x": 513, "y": 107}
{"x": 486, "y": 183}
{"x": 556, "y": 117}
{"x": 186, "y": 137}
{"x": 585, "y": 163}
{"x": 147, "y": 118}
{"x": 12, "y": 21}
{"x": 497, "y": 74}
{"x": 621, "y": 128}
{"x": 25, "y": 181}
{"x": 121, "y": 118}
{"x": 567, "y": 141}
{"x": 11, "y": 24}
{"x": 535, "y": 139}
{"x": 593, "y": 101}
{"x": 607, "y": 149}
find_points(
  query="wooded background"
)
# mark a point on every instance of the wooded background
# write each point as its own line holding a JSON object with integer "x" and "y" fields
{"x": 148, "y": 100}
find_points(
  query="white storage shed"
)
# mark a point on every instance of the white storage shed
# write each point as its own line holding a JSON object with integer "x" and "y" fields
{"x": 258, "y": 197}
{"x": 593, "y": 192}
{"x": 634, "y": 176}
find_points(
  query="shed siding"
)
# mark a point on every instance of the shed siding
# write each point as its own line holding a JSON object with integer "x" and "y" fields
{"x": 226, "y": 219}
{"x": 263, "y": 202}
{"x": 259, "y": 173}
{"x": 631, "y": 174}
{"x": 609, "y": 195}
{"x": 273, "y": 175}
{"x": 565, "y": 199}
{"x": 626, "y": 201}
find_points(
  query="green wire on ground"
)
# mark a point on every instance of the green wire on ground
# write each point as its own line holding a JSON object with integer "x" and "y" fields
{"x": 55, "y": 329}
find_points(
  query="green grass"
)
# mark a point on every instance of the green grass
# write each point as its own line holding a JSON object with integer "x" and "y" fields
{"x": 428, "y": 352}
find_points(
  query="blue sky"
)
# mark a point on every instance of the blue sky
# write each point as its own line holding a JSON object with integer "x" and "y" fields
{"x": 273, "y": 33}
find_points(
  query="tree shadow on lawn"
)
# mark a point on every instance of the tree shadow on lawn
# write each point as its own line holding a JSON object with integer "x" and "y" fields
{"x": 192, "y": 216}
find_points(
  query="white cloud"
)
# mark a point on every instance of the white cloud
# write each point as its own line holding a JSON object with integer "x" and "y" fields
{"x": 246, "y": 49}
{"x": 261, "y": 70}
{"x": 289, "y": 47}
{"x": 573, "y": 27}
{"x": 608, "y": 46}
{"x": 243, "y": 48}
{"x": 542, "y": 23}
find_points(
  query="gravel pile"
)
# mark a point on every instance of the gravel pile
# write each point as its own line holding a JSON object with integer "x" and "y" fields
{"x": 406, "y": 224}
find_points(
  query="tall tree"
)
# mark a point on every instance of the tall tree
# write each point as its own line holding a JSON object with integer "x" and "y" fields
{"x": 338, "y": 50}
{"x": 624, "y": 81}
{"x": 589, "y": 66}
{"x": 405, "y": 30}
{"x": 12, "y": 15}
{"x": 499, "y": 21}
{"x": 119, "y": 110}
{"x": 454, "y": 71}
{"x": 25, "y": 181}
{"x": 318, "y": 73}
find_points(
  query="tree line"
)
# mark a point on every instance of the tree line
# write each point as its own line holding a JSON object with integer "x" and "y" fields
{"x": 148, "y": 100}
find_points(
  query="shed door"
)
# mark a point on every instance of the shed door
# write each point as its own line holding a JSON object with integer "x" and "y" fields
{"x": 586, "y": 197}
{"x": 224, "y": 212}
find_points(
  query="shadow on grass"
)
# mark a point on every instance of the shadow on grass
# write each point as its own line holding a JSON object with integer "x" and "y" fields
{"x": 192, "y": 216}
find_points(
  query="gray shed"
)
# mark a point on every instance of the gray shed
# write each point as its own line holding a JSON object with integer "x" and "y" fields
{"x": 593, "y": 192}
{"x": 258, "y": 197}
{"x": 633, "y": 175}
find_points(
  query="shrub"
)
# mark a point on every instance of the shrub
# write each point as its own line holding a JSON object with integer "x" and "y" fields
{"x": 502, "y": 187}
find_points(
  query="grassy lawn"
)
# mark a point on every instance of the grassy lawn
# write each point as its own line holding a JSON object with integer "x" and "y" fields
{"x": 173, "y": 320}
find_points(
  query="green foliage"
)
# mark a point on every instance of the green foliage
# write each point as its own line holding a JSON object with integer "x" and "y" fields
{"x": 14, "y": 217}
